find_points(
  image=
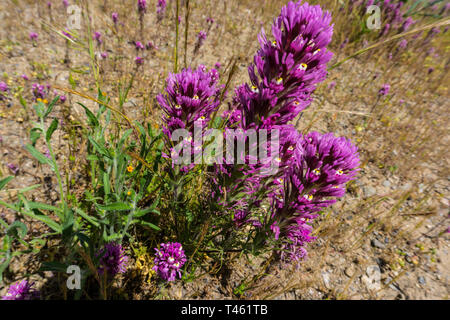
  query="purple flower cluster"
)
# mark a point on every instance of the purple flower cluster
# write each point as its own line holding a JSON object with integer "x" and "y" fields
{"x": 321, "y": 166}
{"x": 139, "y": 45}
{"x": 33, "y": 36}
{"x": 287, "y": 67}
{"x": 384, "y": 89}
{"x": 98, "y": 37}
{"x": 40, "y": 91}
{"x": 115, "y": 17}
{"x": 21, "y": 291}
{"x": 191, "y": 95}
{"x": 142, "y": 6}
{"x": 160, "y": 9}
{"x": 169, "y": 259}
{"x": 112, "y": 259}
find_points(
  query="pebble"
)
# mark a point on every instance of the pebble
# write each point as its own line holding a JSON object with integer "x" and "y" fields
{"x": 421, "y": 280}
{"x": 369, "y": 191}
{"x": 326, "y": 279}
{"x": 377, "y": 244}
{"x": 386, "y": 183}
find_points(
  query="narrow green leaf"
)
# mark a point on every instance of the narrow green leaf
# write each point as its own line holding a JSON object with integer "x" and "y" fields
{"x": 51, "y": 130}
{"x": 117, "y": 206}
{"x": 5, "y": 181}
{"x": 39, "y": 156}
{"x": 50, "y": 106}
{"x": 92, "y": 120}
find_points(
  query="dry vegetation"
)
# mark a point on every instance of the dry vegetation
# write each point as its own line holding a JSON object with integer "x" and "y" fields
{"x": 394, "y": 216}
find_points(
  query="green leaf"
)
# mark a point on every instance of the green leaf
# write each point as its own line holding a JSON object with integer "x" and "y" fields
{"x": 100, "y": 149}
{"x": 36, "y": 214}
{"x": 50, "y": 106}
{"x": 39, "y": 156}
{"x": 51, "y": 129}
{"x": 5, "y": 181}
{"x": 117, "y": 206}
{"x": 17, "y": 230}
{"x": 35, "y": 134}
{"x": 53, "y": 266}
{"x": 92, "y": 120}
{"x": 67, "y": 227}
{"x": 147, "y": 224}
{"x": 83, "y": 214}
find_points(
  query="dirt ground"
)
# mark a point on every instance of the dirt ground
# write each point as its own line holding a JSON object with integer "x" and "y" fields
{"x": 362, "y": 253}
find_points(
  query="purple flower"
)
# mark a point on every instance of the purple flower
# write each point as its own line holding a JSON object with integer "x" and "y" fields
{"x": 139, "y": 45}
{"x": 25, "y": 77}
{"x": 403, "y": 44}
{"x": 287, "y": 68}
{"x": 33, "y": 36}
{"x": 217, "y": 65}
{"x": 150, "y": 45}
{"x": 161, "y": 8}
{"x": 104, "y": 55}
{"x": 21, "y": 291}
{"x": 98, "y": 37}
{"x": 332, "y": 85}
{"x": 47, "y": 154}
{"x": 65, "y": 3}
{"x": 62, "y": 99}
{"x": 384, "y": 89}
{"x": 112, "y": 259}
{"x": 49, "y": 4}
{"x": 138, "y": 61}
{"x": 39, "y": 91}
{"x": 3, "y": 87}
{"x": 407, "y": 24}
{"x": 14, "y": 169}
{"x": 209, "y": 20}
{"x": 115, "y": 17}
{"x": 201, "y": 37}
{"x": 169, "y": 259}
{"x": 321, "y": 166}
{"x": 142, "y": 6}
{"x": 190, "y": 96}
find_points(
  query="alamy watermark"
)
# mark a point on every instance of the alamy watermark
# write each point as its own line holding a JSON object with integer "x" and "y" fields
{"x": 207, "y": 147}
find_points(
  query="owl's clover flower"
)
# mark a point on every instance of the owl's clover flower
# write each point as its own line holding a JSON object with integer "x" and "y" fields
{"x": 33, "y": 36}
{"x": 384, "y": 89}
{"x": 322, "y": 165}
{"x": 287, "y": 67}
{"x": 139, "y": 45}
{"x": 169, "y": 259}
{"x": 190, "y": 96}
{"x": 115, "y": 17}
{"x": 142, "y": 6}
{"x": 112, "y": 259}
{"x": 39, "y": 91}
{"x": 160, "y": 9}
{"x": 21, "y": 291}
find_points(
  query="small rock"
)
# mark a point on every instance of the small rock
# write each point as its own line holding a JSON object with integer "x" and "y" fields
{"x": 386, "y": 183}
{"x": 421, "y": 280}
{"x": 349, "y": 271}
{"x": 377, "y": 244}
{"x": 369, "y": 191}
{"x": 326, "y": 279}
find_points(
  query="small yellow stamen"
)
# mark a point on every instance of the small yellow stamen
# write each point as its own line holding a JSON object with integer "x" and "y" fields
{"x": 280, "y": 80}
{"x": 296, "y": 102}
{"x": 303, "y": 66}
{"x": 196, "y": 97}
{"x": 255, "y": 89}
{"x": 317, "y": 51}
{"x": 291, "y": 148}
{"x": 177, "y": 106}
{"x": 339, "y": 172}
{"x": 308, "y": 197}
{"x": 274, "y": 43}
{"x": 316, "y": 172}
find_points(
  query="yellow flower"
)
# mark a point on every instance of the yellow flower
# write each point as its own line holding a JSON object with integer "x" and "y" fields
{"x": 45, "y": 101}
{"x": 129, "y": 193}
{"x": 130, "y": 168}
